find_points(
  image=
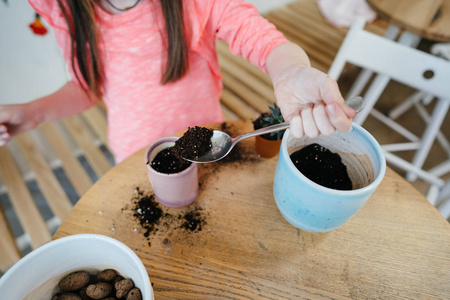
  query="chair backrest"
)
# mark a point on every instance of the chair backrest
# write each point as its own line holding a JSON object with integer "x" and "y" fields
{"x": 401, "y": 63}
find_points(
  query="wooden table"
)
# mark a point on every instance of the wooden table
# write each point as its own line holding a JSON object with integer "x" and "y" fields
{"x": 428, "y": 19}
{"x": 396, "y": 246}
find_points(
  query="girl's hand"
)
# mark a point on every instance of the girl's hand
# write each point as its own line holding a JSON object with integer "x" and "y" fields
{"x": 311, "y": 101}
{"x": 15, "y": 119}
{"x": 69, "y": 100}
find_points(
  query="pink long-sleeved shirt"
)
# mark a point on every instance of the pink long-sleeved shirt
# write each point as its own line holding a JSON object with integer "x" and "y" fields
{"x": 140, "y": 109}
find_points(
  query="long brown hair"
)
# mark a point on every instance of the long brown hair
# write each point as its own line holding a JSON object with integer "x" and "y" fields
{"x": 85, "y": 38}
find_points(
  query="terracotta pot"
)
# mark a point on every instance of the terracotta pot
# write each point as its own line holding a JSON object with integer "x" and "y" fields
{"x": 172, "y": 190}
{"x": 267, "y": 148}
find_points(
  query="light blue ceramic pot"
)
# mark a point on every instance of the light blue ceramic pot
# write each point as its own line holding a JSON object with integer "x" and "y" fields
{"x": 312, "y": 207}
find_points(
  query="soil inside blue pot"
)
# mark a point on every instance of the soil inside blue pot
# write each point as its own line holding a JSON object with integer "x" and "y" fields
{"x": 322, "y": 166}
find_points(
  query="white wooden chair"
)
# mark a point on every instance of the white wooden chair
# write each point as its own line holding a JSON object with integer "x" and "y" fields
{"x": 392, "y": 60}
{"x": 419, "y": 100}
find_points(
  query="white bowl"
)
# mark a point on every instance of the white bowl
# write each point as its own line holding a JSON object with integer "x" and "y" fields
{"x": 36, "y": 276}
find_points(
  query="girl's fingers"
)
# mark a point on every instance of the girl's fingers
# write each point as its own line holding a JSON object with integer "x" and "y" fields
{"x": 4, "y": 138}
{"x": 322, "y": 122}
{"x": 3, "y": 128}
{"x": 331, "y": 94}
{"x": 349, "y": 112}
{"x": 338, "y": 118}
{"x": 296, "y": 126}
{"x": 309, "y": 126}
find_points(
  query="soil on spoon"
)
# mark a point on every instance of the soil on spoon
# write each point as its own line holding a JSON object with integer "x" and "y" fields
{"x": 194, "y": 143}
{"x": 168, "y": 162}
{"x": 322, "y": 166}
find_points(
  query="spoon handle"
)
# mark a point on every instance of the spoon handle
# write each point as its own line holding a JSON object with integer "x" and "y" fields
{"x": 357, "y": 103}
{"x": 261, "y": 131}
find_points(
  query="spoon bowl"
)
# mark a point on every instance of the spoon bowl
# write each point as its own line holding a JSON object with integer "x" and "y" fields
{"x": 222, "y": 143}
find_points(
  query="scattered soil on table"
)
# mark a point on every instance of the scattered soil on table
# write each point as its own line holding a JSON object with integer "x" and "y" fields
{"x": 322, "y": 166}
{"x": 148, "y": 212}
{"x": 153, "y": 217}
{"x": 193, "y": 221}
{"x": 168, "y": 162}
{"x": 195, "y": 142}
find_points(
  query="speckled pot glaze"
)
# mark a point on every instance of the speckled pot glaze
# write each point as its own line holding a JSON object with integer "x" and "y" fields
{"x": 312, "y": 207}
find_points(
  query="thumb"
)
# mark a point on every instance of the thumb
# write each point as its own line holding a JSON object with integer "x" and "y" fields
{"x": 7, "y": 113}
{"x": 330, "y": 93}
{"x": 4, "y": 135}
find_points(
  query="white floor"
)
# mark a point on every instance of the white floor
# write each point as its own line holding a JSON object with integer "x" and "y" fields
{"x": 31, "y": 65}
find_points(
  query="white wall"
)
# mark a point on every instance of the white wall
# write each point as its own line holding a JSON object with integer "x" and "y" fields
{"x": 266, "y": 5}
{"x": 30, "y": 65}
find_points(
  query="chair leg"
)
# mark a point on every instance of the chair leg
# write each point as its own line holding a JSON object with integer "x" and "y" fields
{"x": 427, "y": 99}
{"x": 406, "y": 105}
{"x": 359, "y": 84}
{"x": 439, "y": 113}
{"x": 441, "y": 169}
{"x": 406, "y": 165}
{"x": 433, "y": 194}
{"x": 371, "y": 97}
{"x": 395, "y": 126}
{"x": 443, "y": 204}
{"x": 440, "y": 136}
{"x": 444, "y": 208}
{"x": 409, "y": 39}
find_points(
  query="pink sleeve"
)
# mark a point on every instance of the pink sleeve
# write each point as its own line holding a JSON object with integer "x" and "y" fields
{"x": 247, "y": 33}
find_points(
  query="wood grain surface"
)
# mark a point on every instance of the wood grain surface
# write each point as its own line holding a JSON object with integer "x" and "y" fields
{"x": 396, "y": 247}
{"x": 428, "y": 19}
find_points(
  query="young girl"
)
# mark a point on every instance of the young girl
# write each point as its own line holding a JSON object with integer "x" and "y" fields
{"x": 154, "y": 64}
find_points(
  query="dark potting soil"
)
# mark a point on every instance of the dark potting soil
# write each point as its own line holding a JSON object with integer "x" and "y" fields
{"x": 152, "y": 216}
{"x": 193, "y": 221}
{"x": 195, "y": 142}
{"x": 148, "y": 212}
{"x": 166, "y": 161}
{"x": 322, "y": 166}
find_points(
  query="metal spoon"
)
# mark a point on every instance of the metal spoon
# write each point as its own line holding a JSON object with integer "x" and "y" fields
{"x": 222, "y": 143}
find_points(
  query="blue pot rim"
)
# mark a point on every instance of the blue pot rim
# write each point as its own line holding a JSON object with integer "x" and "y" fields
{"x": 361, "y": 131}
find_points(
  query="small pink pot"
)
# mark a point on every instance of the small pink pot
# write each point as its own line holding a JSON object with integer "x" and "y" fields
{"x": 172, "y": 190}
